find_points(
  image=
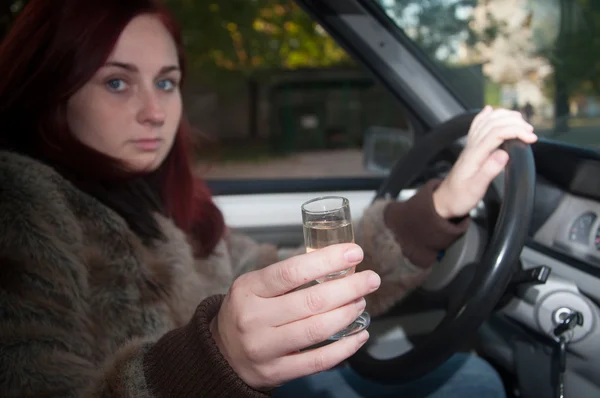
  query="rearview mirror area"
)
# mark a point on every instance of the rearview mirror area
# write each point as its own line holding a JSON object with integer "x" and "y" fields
{"x": 384, "y": 146}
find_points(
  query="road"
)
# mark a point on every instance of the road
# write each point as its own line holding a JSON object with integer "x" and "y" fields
{"x": 338, "y": 163}
{"x": 346, "y": 163}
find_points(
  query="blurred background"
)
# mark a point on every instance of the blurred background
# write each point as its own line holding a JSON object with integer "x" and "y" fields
{"x": 280, "y": 99}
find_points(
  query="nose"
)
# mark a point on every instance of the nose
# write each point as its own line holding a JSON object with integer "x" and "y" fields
{"x": 151, "y": 110}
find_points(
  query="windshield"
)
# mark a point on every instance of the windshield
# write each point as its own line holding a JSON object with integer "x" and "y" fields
{"x": 541, "y": 57}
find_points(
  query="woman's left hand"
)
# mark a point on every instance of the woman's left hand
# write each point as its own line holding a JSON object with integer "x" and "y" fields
{"x": 480, "y": 161}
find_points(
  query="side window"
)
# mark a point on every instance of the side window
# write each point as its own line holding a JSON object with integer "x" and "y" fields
{"x": 279, "y": 97}
{"x": 276, "y": 97}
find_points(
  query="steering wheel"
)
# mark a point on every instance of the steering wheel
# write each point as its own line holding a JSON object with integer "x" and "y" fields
{"x": 493, "y": 271}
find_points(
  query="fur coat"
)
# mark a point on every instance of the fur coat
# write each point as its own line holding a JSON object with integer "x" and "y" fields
{"x": 88, "y": 310}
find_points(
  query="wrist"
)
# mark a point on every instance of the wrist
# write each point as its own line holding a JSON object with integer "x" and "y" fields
{"x": 214, "y": 331}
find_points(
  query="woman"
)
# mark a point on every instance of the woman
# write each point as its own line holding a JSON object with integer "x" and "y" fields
{"x": 113, "y": 257}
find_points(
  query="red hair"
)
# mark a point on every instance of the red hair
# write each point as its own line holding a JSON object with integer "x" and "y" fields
{"x": 53, "y": 49}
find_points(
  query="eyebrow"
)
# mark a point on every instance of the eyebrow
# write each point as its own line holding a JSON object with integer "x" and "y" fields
{"x": 133, "y": 68}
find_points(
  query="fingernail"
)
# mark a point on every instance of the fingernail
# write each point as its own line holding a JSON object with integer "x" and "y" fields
{"x": 360, "y": 304}
{"x": 374, "y": 281}
{"x": 354, "y": 255}
{"x": 363, "y": 337}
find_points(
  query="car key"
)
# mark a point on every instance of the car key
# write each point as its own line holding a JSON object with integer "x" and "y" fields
{"x": 569, "y": 323}
{"x": 573, "y": 319}
{"x": 560, "y": 358}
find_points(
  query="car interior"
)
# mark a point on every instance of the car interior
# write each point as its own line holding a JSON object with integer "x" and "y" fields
{"x": 522, "y": 287}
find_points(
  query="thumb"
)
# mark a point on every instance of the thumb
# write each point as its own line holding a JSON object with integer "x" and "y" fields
{"x": 490, "y": 169}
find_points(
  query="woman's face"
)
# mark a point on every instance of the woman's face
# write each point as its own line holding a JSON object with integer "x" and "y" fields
{"x": 131, "y": 108}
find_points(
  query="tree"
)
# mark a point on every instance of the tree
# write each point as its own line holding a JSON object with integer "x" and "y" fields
{"x": 554, "y": 44}
{"x": 239, "y": 37}
{"x": 8, "y": 11}
{"x": 575, "y": 55}
{"x": 505, "y": 41}
{"x": 437, "y": 26}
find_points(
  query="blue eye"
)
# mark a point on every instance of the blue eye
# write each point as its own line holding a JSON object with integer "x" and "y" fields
{"x": 116, "y": 85}
{"x": 166, "y": 85}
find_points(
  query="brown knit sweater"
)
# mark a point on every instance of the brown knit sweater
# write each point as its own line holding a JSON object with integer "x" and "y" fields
{"x": 87, "y": 310}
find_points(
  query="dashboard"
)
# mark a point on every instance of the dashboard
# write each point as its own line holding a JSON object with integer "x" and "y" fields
{"x": 574, "y": 228}
{"x": 581, "y": 229}
{"x": 567, "y": 203}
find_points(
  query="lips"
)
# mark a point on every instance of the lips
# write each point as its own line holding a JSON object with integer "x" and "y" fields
{"x": 148, "y": 144}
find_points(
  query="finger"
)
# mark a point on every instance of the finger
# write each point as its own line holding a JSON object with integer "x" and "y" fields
{"x": 490, "y": 113}
{"x": 528, "y": 136}
{"x": 494, "y": 164}
{"x": 492, "y": 141}
{"x": 480, "y": 117}
{"x": 307, "y": 332}
{"x": 499, "y": 117}
{"x": 294, "y": 272}
{"x": 493, "y": 127}
{"x": 322, "y": 298}
{"x": 320, "y": 359}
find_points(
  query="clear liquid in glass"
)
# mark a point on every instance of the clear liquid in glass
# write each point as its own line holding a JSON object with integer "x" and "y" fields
{"x": 320, "y": 234}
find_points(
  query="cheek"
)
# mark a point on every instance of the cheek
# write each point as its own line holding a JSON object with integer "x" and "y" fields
{"x": 77, "y": 117}
{"x": 94, "y": 122}
{"x": 174, "y": 112}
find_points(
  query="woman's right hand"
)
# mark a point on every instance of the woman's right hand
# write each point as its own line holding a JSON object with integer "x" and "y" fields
{"x": 260, "y": 329}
